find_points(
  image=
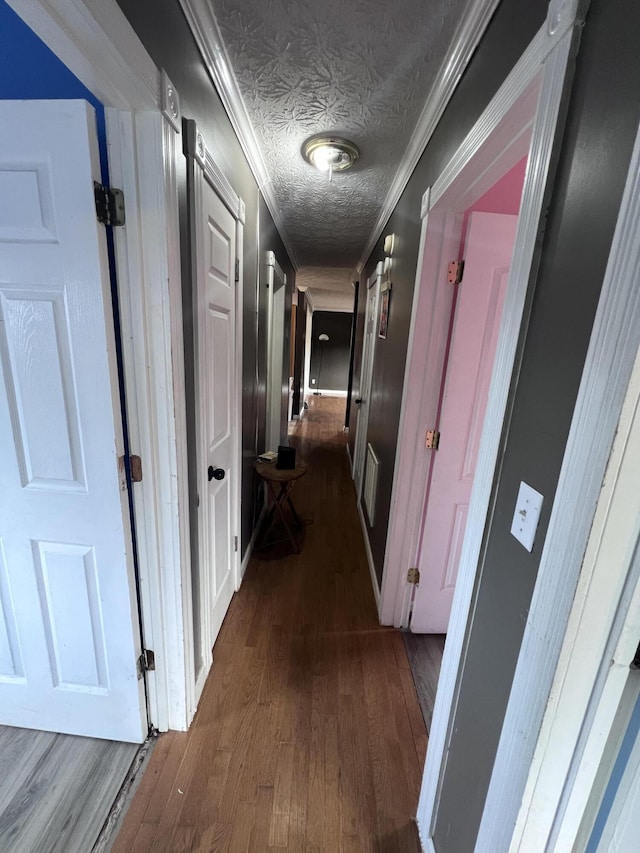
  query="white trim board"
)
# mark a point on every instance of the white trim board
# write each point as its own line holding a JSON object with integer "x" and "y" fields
{"x": 367, "y": 548}
{"x": 523, "y": 116}
{"x": 96, "y": 42}
{"x": 613, "y": 348}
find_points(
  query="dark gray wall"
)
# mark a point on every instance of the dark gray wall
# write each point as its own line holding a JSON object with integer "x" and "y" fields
{"x": 163, "y": 30}
{"x": 602, "y": 121}
{"x": 335, "y": 357}
{"x": 510, "y": 31}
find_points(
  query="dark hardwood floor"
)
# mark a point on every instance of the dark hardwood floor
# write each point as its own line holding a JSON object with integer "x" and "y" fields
{"x": 309, "y": 736}
{"x": 425, "y": 659}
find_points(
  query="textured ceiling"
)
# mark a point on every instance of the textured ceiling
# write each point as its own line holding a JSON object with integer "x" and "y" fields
{"x": 356, "y": 68}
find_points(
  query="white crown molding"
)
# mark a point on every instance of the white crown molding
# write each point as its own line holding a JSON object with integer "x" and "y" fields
{"x": 466, "y": 39}
{"x": 201, "y": 20}
{"x": 96, "y": 42}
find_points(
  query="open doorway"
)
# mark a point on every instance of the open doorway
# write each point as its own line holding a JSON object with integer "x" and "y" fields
{"x": 478, "y": 285}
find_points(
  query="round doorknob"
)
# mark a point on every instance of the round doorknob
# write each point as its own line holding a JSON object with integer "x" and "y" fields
{"x": 215, "y": 473}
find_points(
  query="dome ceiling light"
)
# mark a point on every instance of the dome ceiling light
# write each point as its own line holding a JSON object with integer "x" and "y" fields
{"x": 330, "y": 153}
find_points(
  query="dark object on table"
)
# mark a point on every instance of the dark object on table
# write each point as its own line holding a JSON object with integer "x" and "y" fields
{"x": 286, "y": 458}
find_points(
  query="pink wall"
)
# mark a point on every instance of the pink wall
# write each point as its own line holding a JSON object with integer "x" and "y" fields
{"x": 503, "y": 197}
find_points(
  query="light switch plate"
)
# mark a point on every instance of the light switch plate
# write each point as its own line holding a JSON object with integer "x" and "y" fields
{"x": 526, "y": 515}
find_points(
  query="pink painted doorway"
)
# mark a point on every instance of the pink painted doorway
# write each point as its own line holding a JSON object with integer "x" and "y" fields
{"x": 488, "y": 240}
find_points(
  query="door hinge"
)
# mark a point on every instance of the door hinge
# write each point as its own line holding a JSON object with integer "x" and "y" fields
{"x": 237, "y": 270}
{"x": 413, "y": 576}
{"x": 109, "y": 205}
{"x": 135, "y": 466}
{"x": 432, "y": 440}
{"x": 146, "y": 662}
{"x": 135, "y": 470}
{"x": 235, "y": 543}
{"x": 455, "y": 272}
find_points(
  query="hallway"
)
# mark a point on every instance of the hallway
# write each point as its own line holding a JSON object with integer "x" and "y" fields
{"x": 308, "y": 736}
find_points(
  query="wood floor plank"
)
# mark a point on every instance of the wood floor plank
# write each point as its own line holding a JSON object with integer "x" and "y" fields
{"x": 309, "y": 736}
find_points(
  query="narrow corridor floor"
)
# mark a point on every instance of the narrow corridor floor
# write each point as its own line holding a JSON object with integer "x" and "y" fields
{"x": 308, "y": 736}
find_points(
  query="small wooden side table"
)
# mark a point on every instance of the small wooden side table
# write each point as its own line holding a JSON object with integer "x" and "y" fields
{"x": 280, "y": 499}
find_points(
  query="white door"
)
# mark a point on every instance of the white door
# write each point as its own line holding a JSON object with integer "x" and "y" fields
{"x": 488, "y": 250}
{"x": 277, "y": 385}
{"x": 366, "y": 374}
{"x": 217, "y": 429}
{"x": 69, "y": 635}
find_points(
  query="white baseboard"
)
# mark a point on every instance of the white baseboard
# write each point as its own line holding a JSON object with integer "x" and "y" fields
{"x": 367, "y": 547}
{"x": 326, "y": 392}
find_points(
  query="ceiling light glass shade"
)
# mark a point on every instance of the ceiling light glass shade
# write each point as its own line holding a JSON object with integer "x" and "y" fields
{"x": 330, "y": 153}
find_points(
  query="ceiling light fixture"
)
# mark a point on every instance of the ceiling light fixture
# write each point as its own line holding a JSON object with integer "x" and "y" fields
{"x": 330, "y": 153}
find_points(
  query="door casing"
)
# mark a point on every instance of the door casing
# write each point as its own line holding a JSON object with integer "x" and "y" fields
{"x": 521, "y": 120}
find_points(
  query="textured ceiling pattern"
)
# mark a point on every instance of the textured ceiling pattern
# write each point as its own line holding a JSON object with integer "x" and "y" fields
{"x": 356, "y": 68}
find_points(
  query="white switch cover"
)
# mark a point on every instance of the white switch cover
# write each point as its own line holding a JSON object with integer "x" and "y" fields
{"x": 527, "y": 515}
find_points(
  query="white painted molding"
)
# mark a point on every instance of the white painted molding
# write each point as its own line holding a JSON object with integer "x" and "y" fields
{"x": 592, "y": 676}
{"x": 203, "y": 24}
{"x": 404, "y": 526}
{"x": 367, "y": 548}
{"x": 96, "y": 42}
{"x": 463, "y": 45}
{"x": 546, "y": 76}
{"x": 171, "y": 102}
{"x": 179, "y": 619}
{"x": 196, "y": 148}
{"x": 272, "y": 261}
{"x": 614, "y": 344}
{"x": 146, "y": 336}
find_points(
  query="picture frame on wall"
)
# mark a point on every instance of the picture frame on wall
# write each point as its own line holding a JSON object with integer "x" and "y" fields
{"x": 384, "y": 312}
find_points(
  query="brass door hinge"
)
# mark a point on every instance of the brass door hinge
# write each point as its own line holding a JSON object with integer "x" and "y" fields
{"x": 432, "y": 440}
{"x": 455, "y": 272}
{"x": 413, "y": 576}
{"x": 135, "y": 470}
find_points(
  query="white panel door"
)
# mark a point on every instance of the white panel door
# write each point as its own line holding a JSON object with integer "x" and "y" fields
{"x": 216, "y": 296}
{"x": 488, "y": 251}
{"x": 69, "y": 636}
{"x": 366, "y": 374}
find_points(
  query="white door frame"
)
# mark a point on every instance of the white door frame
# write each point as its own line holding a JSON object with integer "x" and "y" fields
{"x": 275, "y": 351}
{"x": 521, "y": 119}
{"x": 96, "y": 42}
{"x": 201, "y": 157}
{"x": 362, "y": 424}
{"x": 584, "y": 621}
